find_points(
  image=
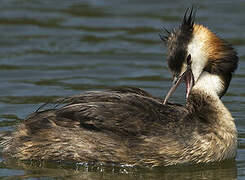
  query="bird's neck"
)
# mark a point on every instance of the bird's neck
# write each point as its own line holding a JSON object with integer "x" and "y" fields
{"x": 215, "y": 120}
{"x": 211, "y": 84}
{"x": 204, "y": 99}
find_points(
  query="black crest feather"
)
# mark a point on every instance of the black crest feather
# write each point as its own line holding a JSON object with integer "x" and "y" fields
{"x": 164, "y": 37}
{"x": 188, "y": 20}
{"x": 178, "y": 39}
{"x": 186, "y": 26}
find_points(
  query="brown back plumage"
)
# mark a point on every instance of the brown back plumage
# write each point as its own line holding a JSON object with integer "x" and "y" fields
{"x": 129, "y": 126}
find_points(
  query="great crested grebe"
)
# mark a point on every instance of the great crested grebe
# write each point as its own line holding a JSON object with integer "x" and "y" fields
{"x": 129, "y": 126}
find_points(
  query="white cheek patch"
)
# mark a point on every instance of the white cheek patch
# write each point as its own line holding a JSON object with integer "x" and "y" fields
{"x": 197, "y": 70}
{"x": 198, "y": 56}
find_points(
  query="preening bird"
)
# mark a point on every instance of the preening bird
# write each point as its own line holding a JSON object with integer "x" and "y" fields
{"x": 130, "y": 126}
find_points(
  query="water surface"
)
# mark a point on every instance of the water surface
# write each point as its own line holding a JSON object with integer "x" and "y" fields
{"x": 51, "y": 49}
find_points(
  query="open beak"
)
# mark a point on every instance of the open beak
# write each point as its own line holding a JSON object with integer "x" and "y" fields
{"x": 188, "y": 77}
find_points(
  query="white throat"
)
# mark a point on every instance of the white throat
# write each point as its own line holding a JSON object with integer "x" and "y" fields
{"x": 209, "y": 83}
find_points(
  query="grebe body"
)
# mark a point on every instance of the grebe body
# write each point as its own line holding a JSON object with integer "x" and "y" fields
{"x": 129, "y": 126}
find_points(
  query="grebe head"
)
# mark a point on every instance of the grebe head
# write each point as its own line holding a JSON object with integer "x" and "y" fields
{"x": 193, "y": 50}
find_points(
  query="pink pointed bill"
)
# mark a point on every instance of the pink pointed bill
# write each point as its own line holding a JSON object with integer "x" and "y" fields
{"x": 188, "y": 77}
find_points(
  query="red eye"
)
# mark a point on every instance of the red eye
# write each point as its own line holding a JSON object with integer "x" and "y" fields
{"x": 188, "y": 59}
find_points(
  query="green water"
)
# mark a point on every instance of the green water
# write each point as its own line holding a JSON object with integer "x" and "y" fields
{"x": 51, "y": 49}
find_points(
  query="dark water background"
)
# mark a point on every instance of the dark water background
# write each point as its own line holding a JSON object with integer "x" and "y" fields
{"x": 56, "y": 48}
